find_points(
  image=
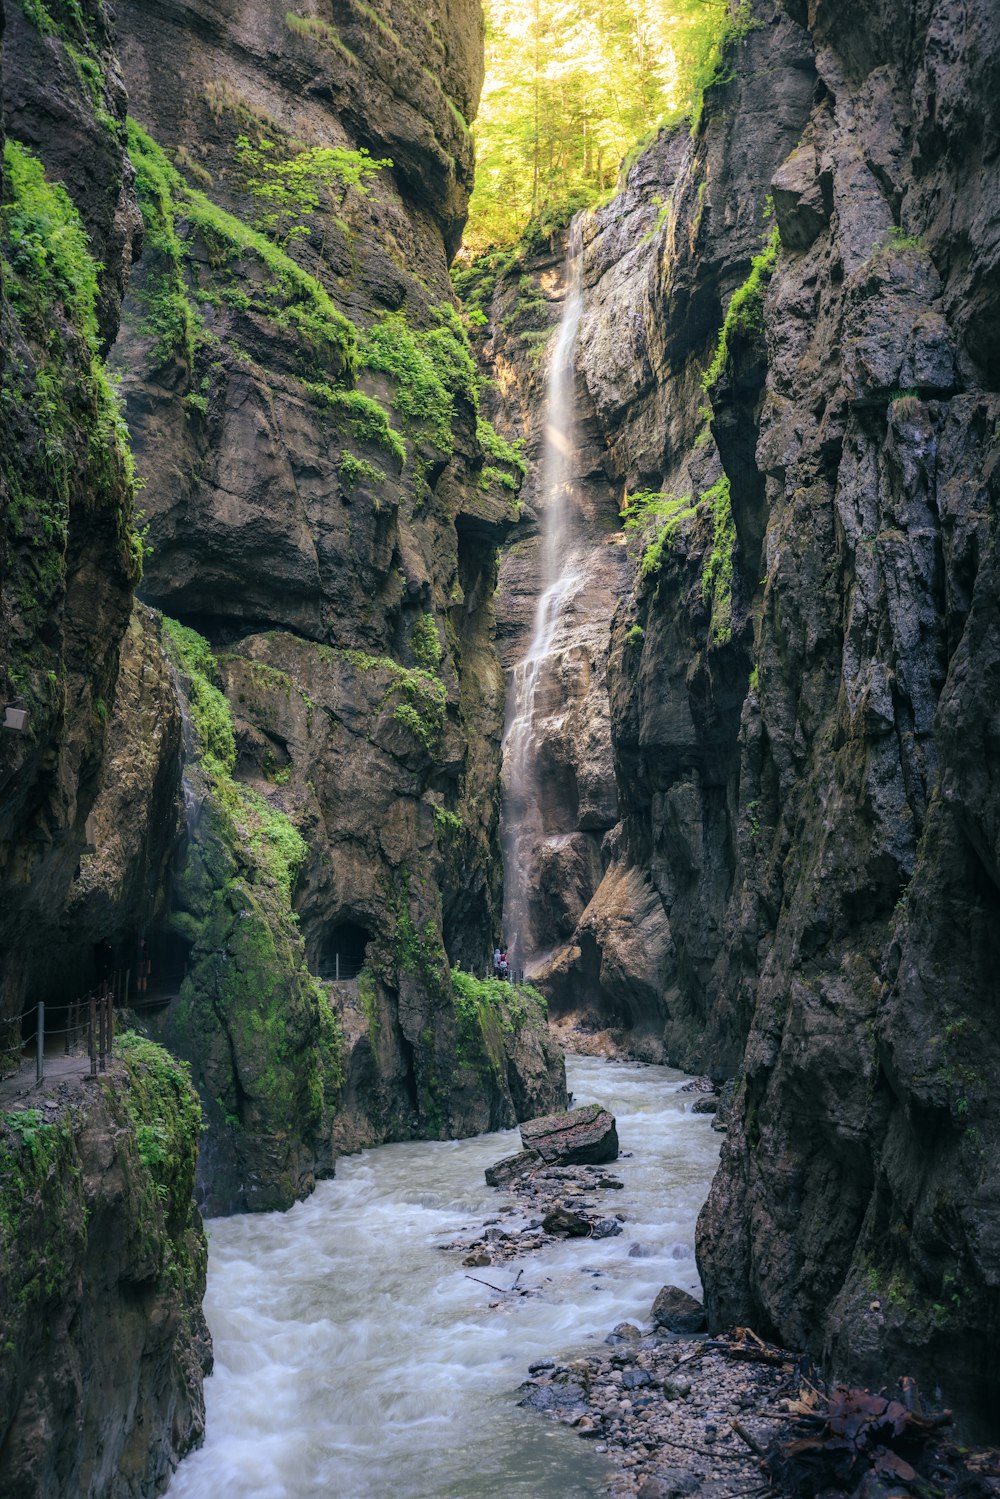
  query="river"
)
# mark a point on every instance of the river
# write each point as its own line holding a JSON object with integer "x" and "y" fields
{"x": 356, "y": 1360}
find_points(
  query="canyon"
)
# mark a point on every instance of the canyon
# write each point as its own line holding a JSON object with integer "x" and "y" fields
{"x": 264, "y": 760}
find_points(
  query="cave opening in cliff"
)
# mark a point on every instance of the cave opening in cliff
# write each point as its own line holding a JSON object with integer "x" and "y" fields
{"x": 161, "y": 962}
{"x": 343, "y": 952}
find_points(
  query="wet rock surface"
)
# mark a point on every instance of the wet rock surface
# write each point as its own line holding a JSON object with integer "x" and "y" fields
{"x": 585, "y": 1136}
{"x": 102, "y": 1274}
{"x": 800, "y": 892}
{"x": 548, "y": 1203}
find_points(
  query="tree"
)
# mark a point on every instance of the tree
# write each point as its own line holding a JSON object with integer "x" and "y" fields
{"x": 292, "y": 188}
{"x": 571, "y": 86}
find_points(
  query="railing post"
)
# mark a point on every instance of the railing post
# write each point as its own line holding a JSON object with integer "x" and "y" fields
{"x": 40, "y": 1044}
{"x": 111, "y": 1021}
{"x": 69, "y": 1028}
{"x": 337, "y": 968}
{"x": 102, "y": 1013}
{"x": 92, "y": 1034}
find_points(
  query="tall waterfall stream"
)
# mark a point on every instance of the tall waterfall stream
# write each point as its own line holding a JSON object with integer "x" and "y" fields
{"x": 354, "y": 1359}
{"x": 562, "y": 571}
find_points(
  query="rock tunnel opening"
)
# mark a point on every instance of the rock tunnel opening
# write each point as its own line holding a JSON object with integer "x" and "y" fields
{"x": 342, "y": 955}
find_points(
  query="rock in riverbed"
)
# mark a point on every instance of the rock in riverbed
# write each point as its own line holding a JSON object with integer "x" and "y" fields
{"x": 675, "y": 1310}
{"x": 578, "y": 1137}
{"x": 575, "y": 1137}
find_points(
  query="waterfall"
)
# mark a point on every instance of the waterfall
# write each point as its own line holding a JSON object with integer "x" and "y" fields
{"x": 535, "y": 677}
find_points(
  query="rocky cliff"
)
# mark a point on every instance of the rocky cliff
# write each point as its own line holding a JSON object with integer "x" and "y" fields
{"x": 789, "y": 351}
{"x": 101, "y": 1280}
{"x": 304, "y": 407}
{"x": 279, "y": 809}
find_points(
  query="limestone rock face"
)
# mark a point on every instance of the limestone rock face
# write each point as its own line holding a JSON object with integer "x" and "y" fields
{"x": 67, "y": 558}
{"x": 329, "y": 530}
{"x": 802, "y": 678}
{"x": 853, "y": 1190}
{"x": 625, "y": 933}
{"x": 101, "y": 1280}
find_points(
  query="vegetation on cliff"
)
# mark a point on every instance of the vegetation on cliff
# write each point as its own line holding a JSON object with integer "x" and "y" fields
{"x": 65, "y": 446}
{"x": 97, "y": 1196}
{"x": 258, "y": 1028}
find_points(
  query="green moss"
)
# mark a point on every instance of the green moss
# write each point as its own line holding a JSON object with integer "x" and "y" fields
{"x": 210, "y": 711}
{"x": 64, "y": 447}
{"x": 43, "y": 1206}
{"x": 248, "y": 978}
{"x": 368, "y": 1000}
{"x": 172, "y": 317}
{"x": 432, "y": 369}
{"x": 291, "y": 298}
{"x": 364, "y": 416}
{"x": 745, "y": 313}
{"x": 420, "y": 696}
{"x": 717, "y": 577}
{"x": 488, "y": 1011}
{"x": 425, "y": 643}
{"x": 508, "y": 454}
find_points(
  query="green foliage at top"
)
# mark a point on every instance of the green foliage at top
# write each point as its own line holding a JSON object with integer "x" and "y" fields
{"x": 745, "y": 313}
{"x": 48, "y": 246}
{"x": 291, "y": 187}
{"x": 488, "y": 1011}
{"x": 571, "y": 87}
{"x": 657, "y": 516}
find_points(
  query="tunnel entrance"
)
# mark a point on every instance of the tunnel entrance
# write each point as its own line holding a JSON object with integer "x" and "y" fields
{"x": 343, "y": 952}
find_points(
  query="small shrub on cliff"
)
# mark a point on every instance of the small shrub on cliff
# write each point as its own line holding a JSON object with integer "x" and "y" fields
{"x": 313, "y": 29}
{"x": 717, "y": 578}
{"x": 656, "y": 517}
{"x": 431, "y": 367}
{"x": 425, "y": 642}
{"x": 745, "y": 313}
{"x": 292, "y": 186}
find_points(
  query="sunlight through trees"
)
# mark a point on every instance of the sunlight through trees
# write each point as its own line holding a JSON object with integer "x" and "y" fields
{"x": 571, "y": 86}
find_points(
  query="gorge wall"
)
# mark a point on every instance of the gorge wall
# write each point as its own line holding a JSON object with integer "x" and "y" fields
{"x": 291, "y": 776}
{"x": 788, "y": 354}
{"x": 257, "y": 770}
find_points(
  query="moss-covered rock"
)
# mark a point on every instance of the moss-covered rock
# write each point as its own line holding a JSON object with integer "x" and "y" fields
{"x": 102, "y": 1272}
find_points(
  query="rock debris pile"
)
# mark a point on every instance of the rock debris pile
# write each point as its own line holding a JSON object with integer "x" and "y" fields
{"x": 718, "y": 1418}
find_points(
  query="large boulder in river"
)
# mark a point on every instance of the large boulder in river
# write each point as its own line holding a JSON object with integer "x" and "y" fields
{"x": 676, "y": 1311}
{"x": 576, "y": 1137}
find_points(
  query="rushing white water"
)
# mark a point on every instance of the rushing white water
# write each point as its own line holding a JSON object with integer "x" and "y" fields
{"x": 355, "y": 1359}
{"x": 561, "y": 576}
